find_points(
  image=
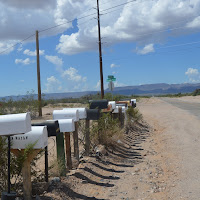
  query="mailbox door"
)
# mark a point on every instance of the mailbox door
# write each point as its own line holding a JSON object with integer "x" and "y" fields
{"x": 93, "y": 114}
{"x": 66, "y": 125}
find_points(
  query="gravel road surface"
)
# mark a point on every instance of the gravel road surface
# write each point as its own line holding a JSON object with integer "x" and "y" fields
{"x": 180, "y": 135}
{"x": 192, "y": 107}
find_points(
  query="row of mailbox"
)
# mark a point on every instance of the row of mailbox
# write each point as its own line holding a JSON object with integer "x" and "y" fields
{"x": 22, "y": 132}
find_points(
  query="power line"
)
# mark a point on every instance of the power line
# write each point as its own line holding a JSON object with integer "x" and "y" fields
{"x": 178, "y": 45}
{"x": 79, "y": 18}
{"x": 66, "y": 22}
{"x": 119, "y": 5}
{"x": 17, "y": 43}
{"x": 106, "y": 2}
{"x": 155, "y": 53}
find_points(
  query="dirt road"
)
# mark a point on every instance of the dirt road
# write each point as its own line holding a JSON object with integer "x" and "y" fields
{"x": 181, "y": 139}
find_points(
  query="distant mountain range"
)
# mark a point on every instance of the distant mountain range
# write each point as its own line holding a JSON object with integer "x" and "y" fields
{"x": 149, "y": 89}
{"x": 157, "y": 89}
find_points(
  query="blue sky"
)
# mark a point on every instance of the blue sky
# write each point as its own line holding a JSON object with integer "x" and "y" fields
{"x": 143, "y": 41}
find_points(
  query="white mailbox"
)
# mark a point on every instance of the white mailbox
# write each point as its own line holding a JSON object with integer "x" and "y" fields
{"x": 38, "y": 136}
{"x": 14, "y": 124}
{"x": 124, "y": 109}
{"x": 82, "y": 112}
{"x": 116, "y": 110}
{"x": 66, "y": 125}
{"x": 66, "y": 114}
{"x": 113, "y": 104}
{"x": 133, "y": 100}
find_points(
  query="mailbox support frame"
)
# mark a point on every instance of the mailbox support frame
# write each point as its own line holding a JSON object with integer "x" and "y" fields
{"x": 76, "y": 146}
{"x": 61, "y": 152}
{"x": 46, "y": 165}
{"x": 120, "y": 117}
{"x": 68, "y": 150}
{"x": 87, "y": 137}
{"x": 26, "y": 172}
{"x": 9, "y": 164}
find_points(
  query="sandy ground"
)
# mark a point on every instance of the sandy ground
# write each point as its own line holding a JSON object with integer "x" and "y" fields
{"x": 157, "y": 159}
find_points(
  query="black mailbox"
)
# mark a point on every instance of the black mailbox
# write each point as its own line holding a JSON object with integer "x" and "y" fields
{"x": 52, "y": 127}
{"x": 98, "y": 104}
{"x": 93, "y": 114}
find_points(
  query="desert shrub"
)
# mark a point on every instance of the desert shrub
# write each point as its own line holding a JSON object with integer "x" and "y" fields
{"x": 196, "y": 92}
{"x": 104, "y": 131}
{"x": 133, "y": 115}
{"x": 16, "y": 166}
{"x": 3, "y": 163}
{"x": 26, "y": 104}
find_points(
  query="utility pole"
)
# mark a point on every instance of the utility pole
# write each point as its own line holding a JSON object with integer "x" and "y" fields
{"x": 100, "y": 52}
{"x": 38, "y": 76}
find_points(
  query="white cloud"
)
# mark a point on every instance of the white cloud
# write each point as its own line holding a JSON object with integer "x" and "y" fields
{"x": 33, "y": 53}
{"x": 193, "y": 75}
{"x": 20, "y": 48}
{"x": 141, "y": 22}
{"x": 113, "y": 65}
{"x": 53, "y": 85}
{"x": 36, "y": 4}
{"x": 192, "y": 72}
{"x": 72, "y": 75}
{"x": 98, "y": 86}
{"x": 6, "y": 48}
{"x": 55, "y": 60}
{"x": 147, "y": 49}
{"x": 26, "y": 61}
{"x": 195, "y": 23}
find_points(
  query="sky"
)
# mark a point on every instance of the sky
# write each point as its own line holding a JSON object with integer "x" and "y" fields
{"x": 143, "y": 42}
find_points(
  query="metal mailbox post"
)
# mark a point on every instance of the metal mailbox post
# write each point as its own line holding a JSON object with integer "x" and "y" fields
{"x": 53, "y": 130}
{"x": 83, "y": 116}
{"x": 13, "y": 124}
{"x": 67, "y": 126}
{"x": 92, "y": 114}
{"x": 70, "y": 114}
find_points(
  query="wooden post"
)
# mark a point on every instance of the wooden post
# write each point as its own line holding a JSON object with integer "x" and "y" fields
{"x": 76, "y": 146}
{"x": 68, "y": 150}
{"x": 38, "y": 76}
{"x": 100, "y": 52}
{"x": 120, "y": 117}
{"x": 61, "y": 153}
{"x": 46, "y": 165}
{"x": 26, "y": 172}
{"x": 87, "y": 137}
